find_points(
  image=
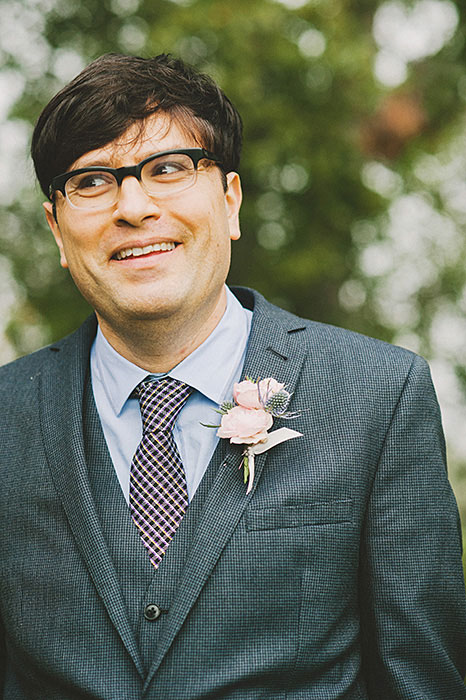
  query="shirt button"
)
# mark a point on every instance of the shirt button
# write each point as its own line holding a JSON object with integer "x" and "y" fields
{"x": 152, "y": 612}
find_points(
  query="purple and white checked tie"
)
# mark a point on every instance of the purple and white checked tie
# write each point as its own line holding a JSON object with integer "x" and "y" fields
{"x": 157, "y": 491}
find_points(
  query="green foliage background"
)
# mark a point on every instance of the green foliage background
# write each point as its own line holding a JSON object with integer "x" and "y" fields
{"x": 316, "y": 119}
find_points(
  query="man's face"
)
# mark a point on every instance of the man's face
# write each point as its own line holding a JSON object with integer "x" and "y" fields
{"x": 197, "y": 225}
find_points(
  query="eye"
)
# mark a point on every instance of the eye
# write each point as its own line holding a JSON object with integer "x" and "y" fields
{"x": 168, "y": 168}
{"x": 173, "y": 166}
{"x": 90, "y": 183}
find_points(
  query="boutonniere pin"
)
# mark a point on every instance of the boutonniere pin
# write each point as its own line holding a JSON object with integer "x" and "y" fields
{"x": 248, "y": 418}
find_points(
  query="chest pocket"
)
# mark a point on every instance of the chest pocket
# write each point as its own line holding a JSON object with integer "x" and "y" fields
{"x": 315, "y": 513}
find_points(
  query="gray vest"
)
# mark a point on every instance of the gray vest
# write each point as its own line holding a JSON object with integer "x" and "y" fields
{"x": 141, "y": 585}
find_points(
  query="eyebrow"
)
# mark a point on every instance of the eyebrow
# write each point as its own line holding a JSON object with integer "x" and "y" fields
{"x": 109, "y": 162}
{"x": 94, "y": 163}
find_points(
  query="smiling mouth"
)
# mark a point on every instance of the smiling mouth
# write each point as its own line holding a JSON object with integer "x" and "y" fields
{"x": 137, "y": 252}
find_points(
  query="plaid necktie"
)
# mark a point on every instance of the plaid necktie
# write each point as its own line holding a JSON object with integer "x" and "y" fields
{"x": 157, "y": 492}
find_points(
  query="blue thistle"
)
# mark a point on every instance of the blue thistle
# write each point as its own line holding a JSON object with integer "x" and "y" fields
{"x": 278, "y": 403}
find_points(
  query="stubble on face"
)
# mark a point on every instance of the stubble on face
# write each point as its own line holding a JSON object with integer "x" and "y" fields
{"x": 175, "y": 288}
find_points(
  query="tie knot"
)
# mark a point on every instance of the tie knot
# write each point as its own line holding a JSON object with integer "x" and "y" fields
{"x": 160, "y": 402}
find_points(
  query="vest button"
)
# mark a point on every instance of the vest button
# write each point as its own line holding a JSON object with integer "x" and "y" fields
{"x": 152, "y": 612}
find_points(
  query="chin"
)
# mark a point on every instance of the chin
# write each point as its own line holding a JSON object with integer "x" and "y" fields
{"x": 147, "y": 311}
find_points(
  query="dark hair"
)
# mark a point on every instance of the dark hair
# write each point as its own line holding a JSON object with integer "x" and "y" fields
{"x": 115, "y": 92}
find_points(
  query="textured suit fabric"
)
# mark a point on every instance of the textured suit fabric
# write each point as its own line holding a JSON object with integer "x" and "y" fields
{"x": 337, "y": 578}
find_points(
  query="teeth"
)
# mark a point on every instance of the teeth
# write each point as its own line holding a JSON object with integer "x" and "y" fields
{"x": 136, "y": 252}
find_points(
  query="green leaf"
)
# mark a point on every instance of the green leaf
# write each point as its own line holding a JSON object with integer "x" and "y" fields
{"x": 245, "y": 467}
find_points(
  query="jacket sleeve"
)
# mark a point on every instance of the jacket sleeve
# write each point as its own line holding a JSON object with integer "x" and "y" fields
{"x": 412, "y": 595}
{"x": 2, "y": 658}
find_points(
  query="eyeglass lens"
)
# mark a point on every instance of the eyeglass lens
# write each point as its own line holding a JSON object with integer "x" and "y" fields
{"x": 162, "y": 175}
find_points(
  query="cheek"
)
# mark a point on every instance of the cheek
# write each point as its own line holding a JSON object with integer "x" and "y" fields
{"x": 218, "y": 233}
{"x": 206, "y": 215}
{"x": 79, "y": 238}
{"x": 72, "y": 251}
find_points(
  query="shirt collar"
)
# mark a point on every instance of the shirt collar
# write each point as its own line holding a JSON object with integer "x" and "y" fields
{"x": 210, "y": 369}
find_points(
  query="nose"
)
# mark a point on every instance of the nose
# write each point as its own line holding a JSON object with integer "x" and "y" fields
{"x": 134, "y": 205}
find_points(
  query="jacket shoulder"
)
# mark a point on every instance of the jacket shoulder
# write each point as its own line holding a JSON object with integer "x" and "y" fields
{"x": 26, "y": 369}
{"x": 326, "y": 344}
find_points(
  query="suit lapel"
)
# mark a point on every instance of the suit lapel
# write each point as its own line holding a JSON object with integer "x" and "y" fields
{"x": 61, "y": 406}
{"x": 273, "y": 350}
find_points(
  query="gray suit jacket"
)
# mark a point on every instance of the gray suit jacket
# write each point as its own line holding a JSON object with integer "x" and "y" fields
{"x": 337, "y": 578}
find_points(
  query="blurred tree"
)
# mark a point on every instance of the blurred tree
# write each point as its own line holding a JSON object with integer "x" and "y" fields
{"x": 303, "y": 83}
{"x": 353, "y": 164}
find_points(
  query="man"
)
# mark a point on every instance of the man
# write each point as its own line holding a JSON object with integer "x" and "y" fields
{"x": 135, "y": 561}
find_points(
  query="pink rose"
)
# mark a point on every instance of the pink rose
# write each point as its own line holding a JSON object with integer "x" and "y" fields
{"x": 246, "y": 395}
{"x": 267, "y": 388}
{"x": 245, "y": 426}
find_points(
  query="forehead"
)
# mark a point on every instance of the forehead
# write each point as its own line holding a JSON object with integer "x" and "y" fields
{"x": 159, "y": 132}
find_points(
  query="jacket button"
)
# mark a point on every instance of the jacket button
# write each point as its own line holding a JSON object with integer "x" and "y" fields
{"x": 152, "y": 611}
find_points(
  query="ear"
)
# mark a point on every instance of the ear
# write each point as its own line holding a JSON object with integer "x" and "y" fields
{"x": 53, "y": 225}
{"x": 233, "y": 199}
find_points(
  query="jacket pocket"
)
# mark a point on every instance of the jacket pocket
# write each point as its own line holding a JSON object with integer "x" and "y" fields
{"x": 315, "y": 513}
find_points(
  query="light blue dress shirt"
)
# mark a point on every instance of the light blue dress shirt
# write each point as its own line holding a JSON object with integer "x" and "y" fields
{"x": 211, "y": 370}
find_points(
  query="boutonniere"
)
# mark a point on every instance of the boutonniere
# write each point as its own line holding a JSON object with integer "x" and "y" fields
{"x": 248, "y": 418}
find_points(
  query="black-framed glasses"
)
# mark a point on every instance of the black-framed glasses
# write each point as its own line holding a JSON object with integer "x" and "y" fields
{"x": 161, "y": 174}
